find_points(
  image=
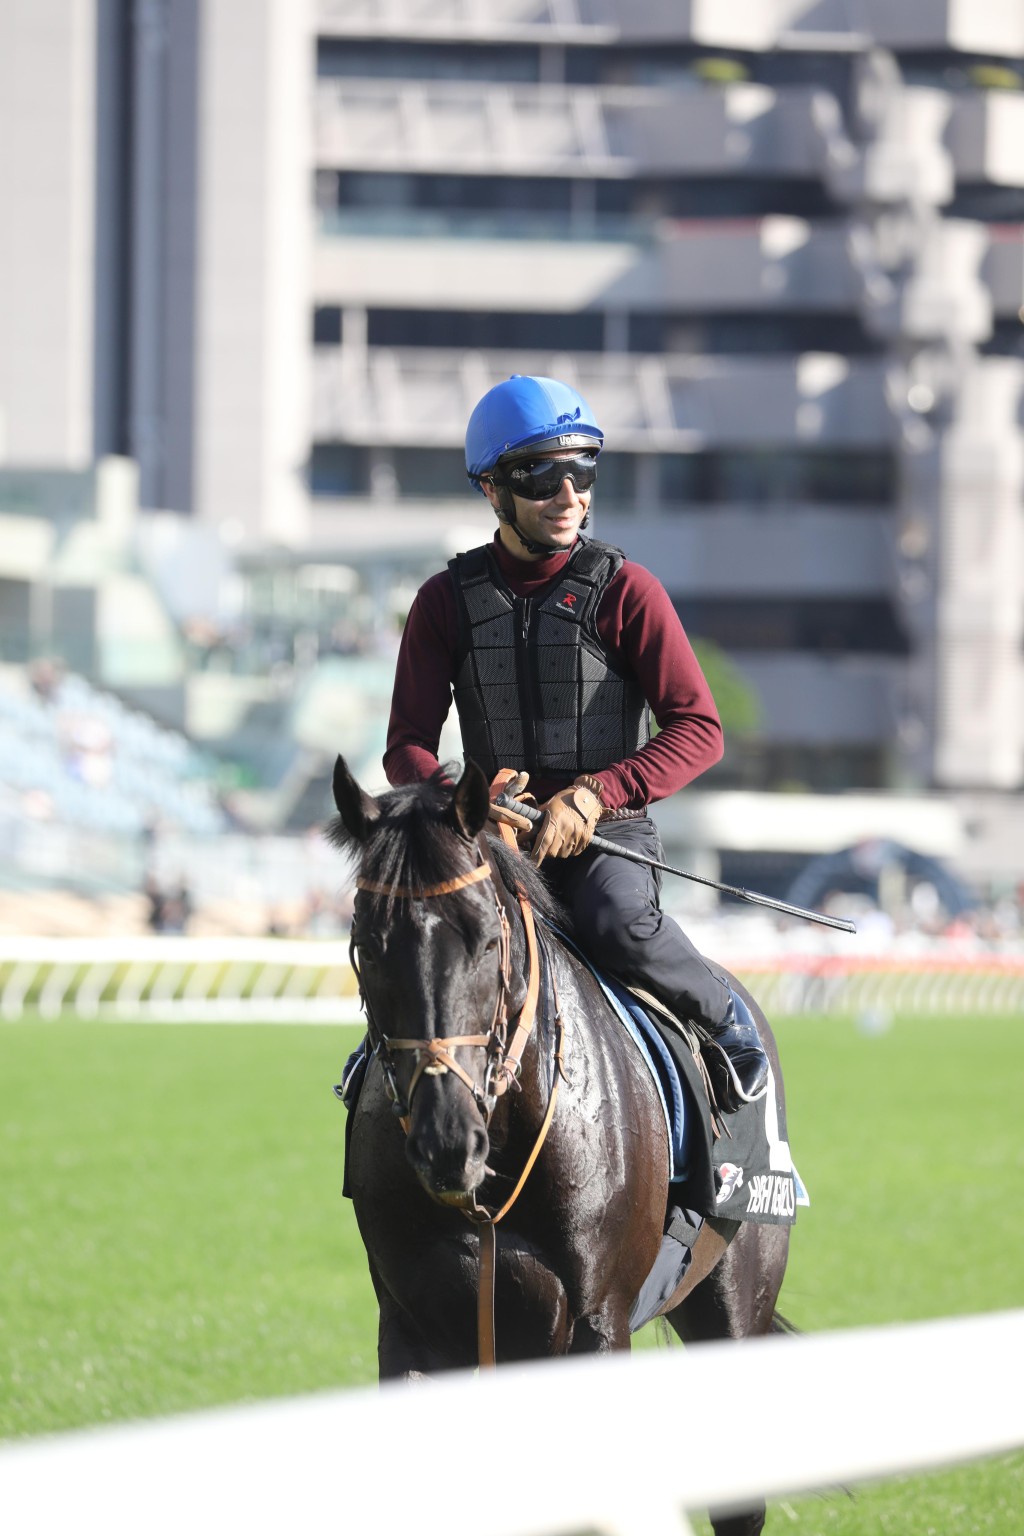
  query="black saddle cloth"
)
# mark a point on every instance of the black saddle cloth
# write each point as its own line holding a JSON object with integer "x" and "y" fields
{"x": 739, "y": 1164}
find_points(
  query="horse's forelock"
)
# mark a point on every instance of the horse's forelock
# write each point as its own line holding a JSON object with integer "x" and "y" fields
{"x": 414, "y": 843}
{"x": 338, "y": 835}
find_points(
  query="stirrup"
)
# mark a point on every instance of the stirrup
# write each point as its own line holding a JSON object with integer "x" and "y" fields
{"x": 352, "y": 1075}
{"x": 730, "y": 1090}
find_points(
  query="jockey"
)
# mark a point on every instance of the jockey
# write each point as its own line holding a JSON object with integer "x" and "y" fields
{"x": 557, "y": 649}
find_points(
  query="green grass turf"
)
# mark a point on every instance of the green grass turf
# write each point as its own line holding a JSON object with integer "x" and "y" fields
{"x": 172, "y": 1232}
{"x": 910, "y": 1143}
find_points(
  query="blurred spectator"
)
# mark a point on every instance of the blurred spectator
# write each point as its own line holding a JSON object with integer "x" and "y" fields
{"x": 321, "y": 919}
{"x": 87, "y": 747}
{"x": 154, "y": 904}
{"x": 168, "y": 911}
{"x": 277, "y": 924}
{"x": 177, "y": 908}
{"x": 46, "y": 676}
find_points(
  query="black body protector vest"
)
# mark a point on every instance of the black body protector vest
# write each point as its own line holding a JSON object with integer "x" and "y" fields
{"x": 535, "y": 687}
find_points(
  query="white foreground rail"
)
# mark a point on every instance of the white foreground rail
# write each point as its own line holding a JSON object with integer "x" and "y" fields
{"x": 310, "y": 981}
{"x": 616, "y": 1444}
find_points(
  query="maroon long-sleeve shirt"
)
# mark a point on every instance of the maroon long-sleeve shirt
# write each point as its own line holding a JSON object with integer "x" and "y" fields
{"x": 640, "y": 629}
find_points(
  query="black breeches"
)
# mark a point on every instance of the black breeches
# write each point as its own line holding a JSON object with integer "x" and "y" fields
{"x": 619, "y": 923}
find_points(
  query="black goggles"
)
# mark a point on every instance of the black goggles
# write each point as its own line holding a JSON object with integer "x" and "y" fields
{"x": 540, "y": 479}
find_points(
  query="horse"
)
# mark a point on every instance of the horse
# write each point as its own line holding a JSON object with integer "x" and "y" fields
{"x": 441, "y": 942}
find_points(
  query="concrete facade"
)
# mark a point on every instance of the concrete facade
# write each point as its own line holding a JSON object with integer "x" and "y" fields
{"x": 276, "y": 249}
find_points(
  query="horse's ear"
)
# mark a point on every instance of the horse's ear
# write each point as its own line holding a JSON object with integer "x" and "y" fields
{"x": 357, "y": 811}
{"x": 472, "y": 800}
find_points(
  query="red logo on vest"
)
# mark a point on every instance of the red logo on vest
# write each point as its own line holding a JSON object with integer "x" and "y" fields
{"x": 567, "y": 601}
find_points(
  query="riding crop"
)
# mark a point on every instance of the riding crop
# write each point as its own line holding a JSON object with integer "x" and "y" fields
{"x": 605, "y": 844}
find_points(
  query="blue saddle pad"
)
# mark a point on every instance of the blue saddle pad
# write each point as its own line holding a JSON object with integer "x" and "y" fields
{"x": 671, "y": 1089}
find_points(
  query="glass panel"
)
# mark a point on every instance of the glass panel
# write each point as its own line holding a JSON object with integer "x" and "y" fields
{"x": 434, "y": 472}
{"x": 327, "y": 326}
{"x": 489, "y": 332}
{"x": 616, "y": 479}
{"x": 861, "y": 625}
{"x": 788, "y": 476}
{"x": 339, "y": 469}
{"x": 682, "y": 477}
{"x": 405, "y": 60}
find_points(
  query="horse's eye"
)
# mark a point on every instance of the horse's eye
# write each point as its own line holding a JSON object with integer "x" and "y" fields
{"x": 490, "y": 946}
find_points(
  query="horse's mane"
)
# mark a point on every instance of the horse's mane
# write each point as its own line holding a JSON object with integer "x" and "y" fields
{"x": 414, "y": 843}
{"x": 523, "y": 878}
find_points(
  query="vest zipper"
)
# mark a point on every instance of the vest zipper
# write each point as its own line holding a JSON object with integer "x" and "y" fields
{"x": 523, "y": 609}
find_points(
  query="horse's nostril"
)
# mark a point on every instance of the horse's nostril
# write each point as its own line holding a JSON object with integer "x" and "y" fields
{"x": 478, "y": 1146}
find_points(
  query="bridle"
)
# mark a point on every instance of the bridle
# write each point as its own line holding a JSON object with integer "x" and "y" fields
{"x": 433, "y": 1058}
{"x": 504, "y": 1056}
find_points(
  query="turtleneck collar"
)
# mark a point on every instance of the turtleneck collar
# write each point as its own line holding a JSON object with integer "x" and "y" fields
{"x": 525, "y": 576}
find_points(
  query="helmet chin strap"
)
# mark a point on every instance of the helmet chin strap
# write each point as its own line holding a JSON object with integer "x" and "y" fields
{"x": 507, "y": 514}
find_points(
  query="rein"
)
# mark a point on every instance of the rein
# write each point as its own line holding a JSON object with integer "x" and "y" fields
{"x": 434, "y": 1059}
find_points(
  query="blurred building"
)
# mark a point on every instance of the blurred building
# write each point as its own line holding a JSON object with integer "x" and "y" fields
{"x": 274, "y": 250}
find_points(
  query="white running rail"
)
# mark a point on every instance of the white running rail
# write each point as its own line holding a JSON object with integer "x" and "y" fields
{"x": 307, "y": 981}
{"x": 618, "y": 1444}
{"x": 179, "y": 980}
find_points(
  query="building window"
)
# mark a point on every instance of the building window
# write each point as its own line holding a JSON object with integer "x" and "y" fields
{"x": 866, "y": 626}
{"x": 616, "y": 480}
{"x": 341, "y": 58}
{"x": 993, "y": 205}
{"x": 327, "y": 325}
{"x": 796, "y": 766}
{"x": 573, "y": 202}
{"x": 438, "y": 473}
{"x": 682, "y": 477}
{"x": 759, "y": 476}
{"x": 450, "y": 193}
{"x": 713, "y": 197}
{"x": 496, "y": 331}
{"x": 1007, "y": 339}
{"x": 339, "y": 469}
{"x": 789, "y": 476}
{"x": 723, "y": 335}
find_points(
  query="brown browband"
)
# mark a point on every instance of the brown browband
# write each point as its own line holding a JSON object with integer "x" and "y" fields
{"x": 405, "y": 893}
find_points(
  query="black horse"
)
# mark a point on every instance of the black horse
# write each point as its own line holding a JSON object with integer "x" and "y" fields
{"x": 441, "y": 947}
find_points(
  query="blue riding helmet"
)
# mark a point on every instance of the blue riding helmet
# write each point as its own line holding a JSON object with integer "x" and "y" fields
{"x": 527, "y": 412}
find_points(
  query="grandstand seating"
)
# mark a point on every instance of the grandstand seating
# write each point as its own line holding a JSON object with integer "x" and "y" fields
{"x": 100, "y": 764}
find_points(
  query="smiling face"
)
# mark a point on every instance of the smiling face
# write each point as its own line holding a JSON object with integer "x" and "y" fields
{"x": 554, "y": 522}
